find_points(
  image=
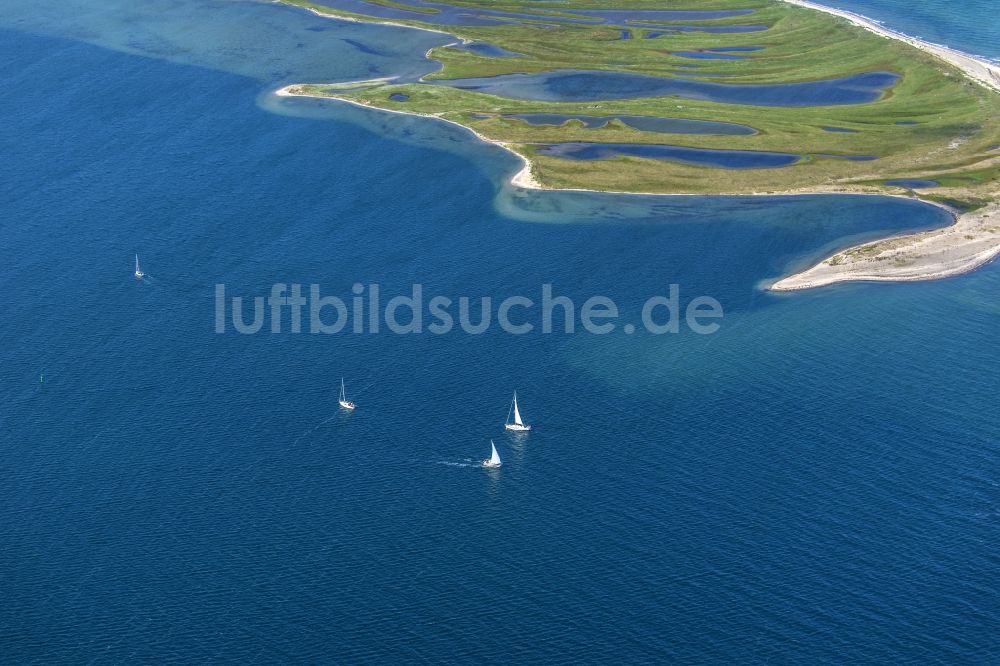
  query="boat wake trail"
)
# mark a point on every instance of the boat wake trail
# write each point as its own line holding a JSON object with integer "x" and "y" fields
{"x": 469, "y": 462}
{"x": 314, "y": 429}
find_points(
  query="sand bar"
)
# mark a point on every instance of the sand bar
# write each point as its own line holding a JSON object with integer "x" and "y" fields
{"x": 972, "y": 241}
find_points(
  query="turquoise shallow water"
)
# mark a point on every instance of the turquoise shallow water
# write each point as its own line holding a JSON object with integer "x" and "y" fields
{"x": 815, "y": 483}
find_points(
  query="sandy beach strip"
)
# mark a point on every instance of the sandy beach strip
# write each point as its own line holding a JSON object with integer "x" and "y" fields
{"x": 977, "y": 69}
{"x": 365, "y": 19}
{"x": 523, "y": 178}
{"x": 973, "y": 240}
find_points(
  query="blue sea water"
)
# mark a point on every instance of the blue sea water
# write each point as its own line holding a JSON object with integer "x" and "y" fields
{"x": 971, "y": 25}
{"x": 815, "y": 483}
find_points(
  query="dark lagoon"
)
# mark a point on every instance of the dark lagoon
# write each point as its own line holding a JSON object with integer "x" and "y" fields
{"x": 725, "y": 159}
{"x": 642, "y": 123}
{"x": 583, "y": 85}
{"x": 912, "y": 184}
{"x": 708, "y": 55}
{"x": 485, "y": 49}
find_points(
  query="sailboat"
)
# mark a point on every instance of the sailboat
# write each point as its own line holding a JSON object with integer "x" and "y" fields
{"x": 138, "y": 271}
{"x": 517, "y": 425}
{"x": 344, "y": 402}
{"x": 494, "y": 460}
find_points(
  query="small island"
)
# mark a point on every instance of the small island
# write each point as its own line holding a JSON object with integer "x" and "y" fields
{"x": 742, "y": 97}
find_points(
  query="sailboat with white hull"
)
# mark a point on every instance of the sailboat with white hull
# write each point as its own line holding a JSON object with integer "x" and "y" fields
{"x": 494, "y": 460}
{"x": 138, "y": 271}
{"x": 517, "y": 425}
{"x": 344, "y": 402}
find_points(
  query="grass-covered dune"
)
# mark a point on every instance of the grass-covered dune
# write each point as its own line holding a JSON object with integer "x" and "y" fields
{"x": 952, "y": 124}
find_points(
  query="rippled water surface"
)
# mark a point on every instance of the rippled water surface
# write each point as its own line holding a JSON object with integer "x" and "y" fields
{"x": 815, "y": 483}
{"x": 970, "y": 25}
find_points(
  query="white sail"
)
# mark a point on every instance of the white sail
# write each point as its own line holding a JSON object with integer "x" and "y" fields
{"x": 495, "y": 458}
{"x": 517, "y": 414}
{"x": 137, "y": 269}
{"x": 342, "y": 398}
{"x": 516, "y": 425}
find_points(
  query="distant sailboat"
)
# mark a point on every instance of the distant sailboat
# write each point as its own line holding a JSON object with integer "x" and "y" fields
{"x": 517, "y": 425}
{"x": 138, "y": 271}
{"x": 344, "y": 402}
{"x": 494, "y": 460}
